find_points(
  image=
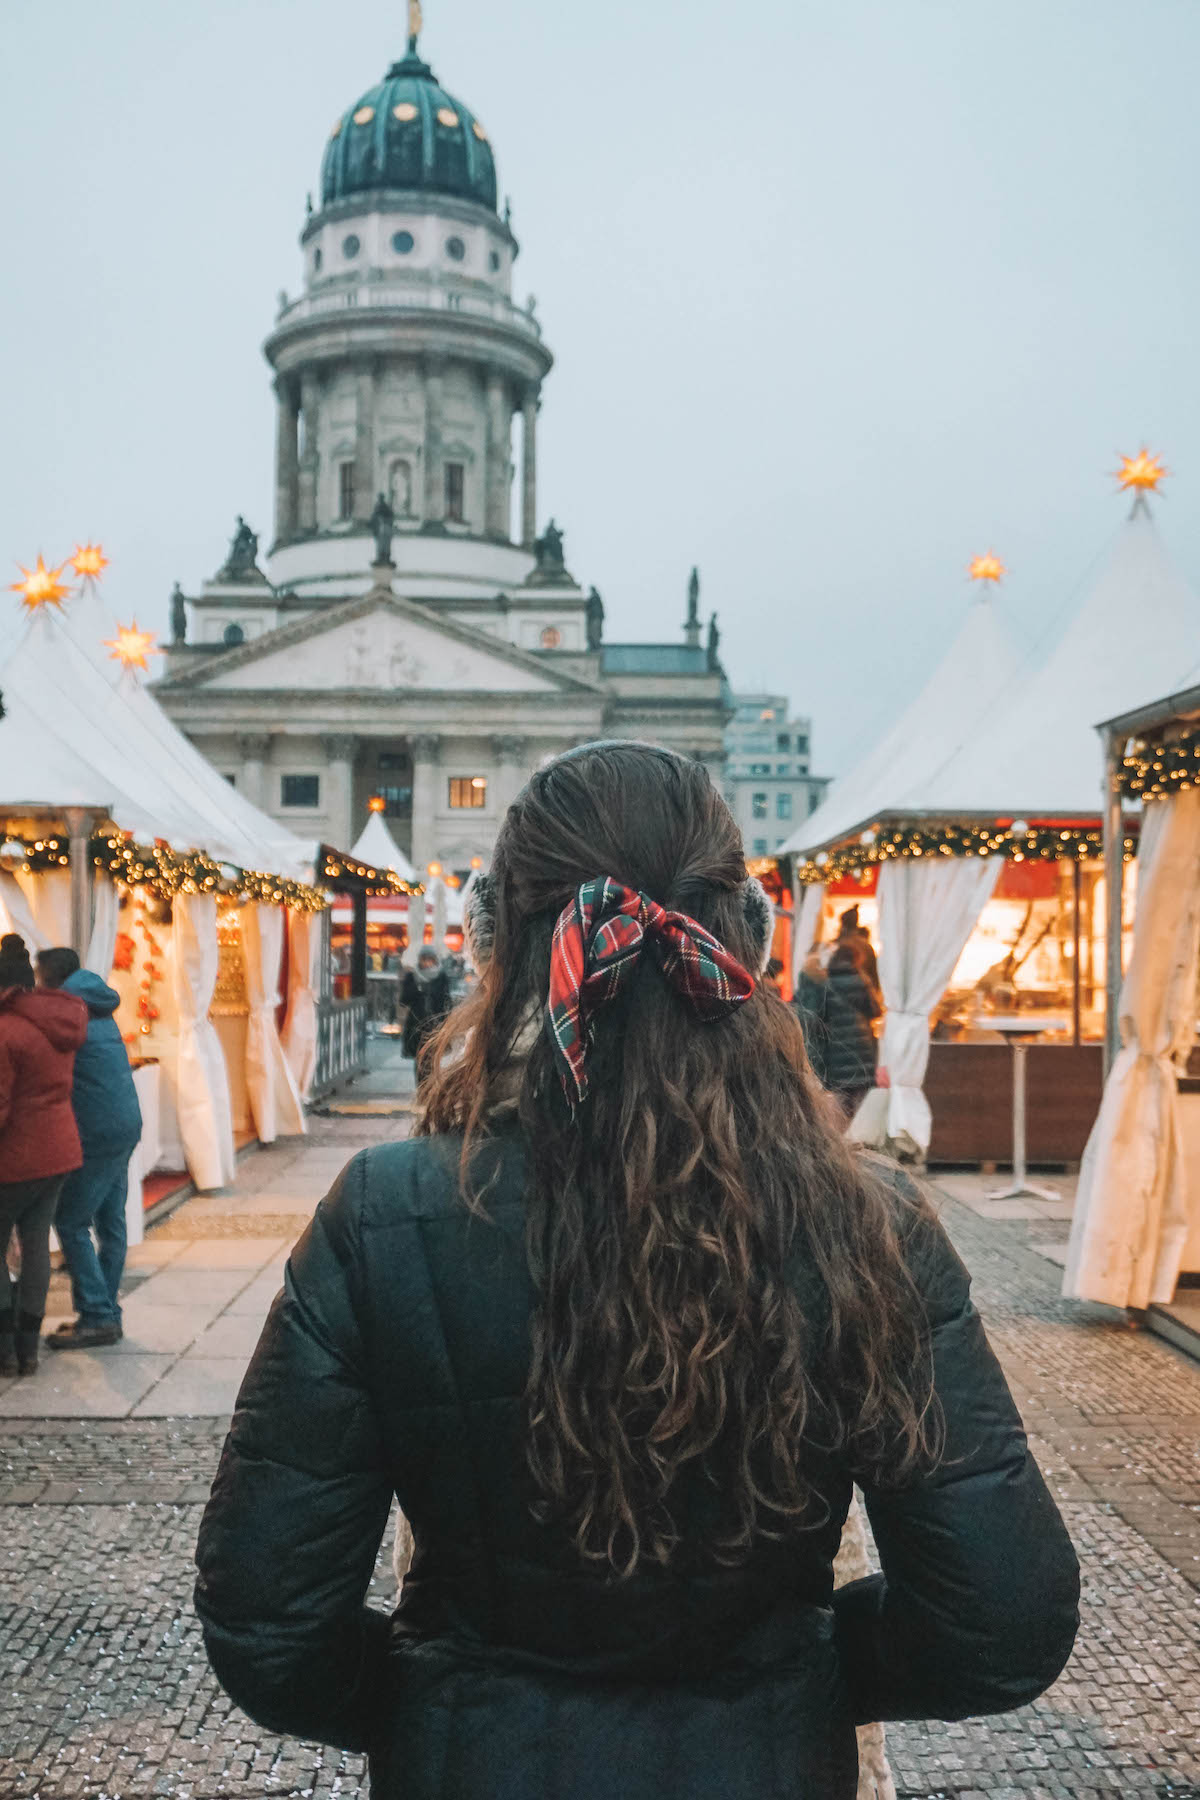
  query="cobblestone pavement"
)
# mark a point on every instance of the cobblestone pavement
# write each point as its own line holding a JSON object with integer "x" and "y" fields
{"x": 104, "y": 1689}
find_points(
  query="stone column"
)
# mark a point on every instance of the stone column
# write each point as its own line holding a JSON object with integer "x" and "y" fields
{"x": 287, "y": 460}
{"x": 306, "y": 486}
{"x": 254, "y": 748}
{"x": 366, "y": 482}
{"x": 435, "y": 480}
{"x": 496, "y": 513}
{"x": 511, "y": 755}
{"x": 337, "y": 799}
{"x": 426, "y": 773}
{"x": 529, "y": 412}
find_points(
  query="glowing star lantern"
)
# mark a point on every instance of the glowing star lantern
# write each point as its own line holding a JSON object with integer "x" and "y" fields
{"x": 376, "y": 803}
{"x": 987, "y": 567}
{"x": 131, "y": 647}
{"x": 1142, "y": 472}
{"x": 89, "y": 561}
{"x": 41, "y": 586}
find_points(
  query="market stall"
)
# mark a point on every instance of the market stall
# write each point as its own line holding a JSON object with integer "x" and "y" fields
{"x": 1135, "y": 1235}
{"x": 119, "y": 838}
{"x": 973, "y": 847}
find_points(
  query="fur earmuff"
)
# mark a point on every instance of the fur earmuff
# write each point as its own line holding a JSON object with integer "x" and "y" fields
{"x": 759, "y": 915}
{"x": 479, "y": 920}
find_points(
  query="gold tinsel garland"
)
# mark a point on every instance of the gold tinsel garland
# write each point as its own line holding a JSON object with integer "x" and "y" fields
{"x": 1036, "y": 843}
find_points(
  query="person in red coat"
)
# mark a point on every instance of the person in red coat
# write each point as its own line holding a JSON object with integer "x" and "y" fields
{"x": 40, "y": 1031}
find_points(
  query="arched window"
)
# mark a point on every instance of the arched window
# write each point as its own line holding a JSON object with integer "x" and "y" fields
{"x": 400, "y": 487}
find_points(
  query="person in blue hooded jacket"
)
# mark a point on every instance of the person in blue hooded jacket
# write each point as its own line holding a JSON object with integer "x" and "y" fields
{"x": 110, "y": 1124}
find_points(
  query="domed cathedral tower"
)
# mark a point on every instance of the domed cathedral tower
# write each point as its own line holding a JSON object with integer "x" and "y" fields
{"x": 411, "y": 643}
{"x": 405, "y": 364}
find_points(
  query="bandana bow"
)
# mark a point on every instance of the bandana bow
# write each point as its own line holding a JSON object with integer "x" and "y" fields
{"x": 598, "y": 941}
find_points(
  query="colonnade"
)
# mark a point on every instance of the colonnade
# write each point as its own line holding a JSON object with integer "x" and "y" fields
{"x": 298, "y": 510}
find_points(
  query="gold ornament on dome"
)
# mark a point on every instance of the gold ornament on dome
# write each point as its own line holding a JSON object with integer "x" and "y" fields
{"x": 40, "y": 586}
{"x": 89, "y": 561}
{"x": 1142, "y": 472}
{"x": 987, "y": 567}
{"x": 480, "y": 133}
{"x": 364, "y": 115}
{"x": 404, "y": 111}
{"x": 336, "y": 130}
{"x": 415, "y": 20}
{"x": 131, "y": 647}
{"x": 446, "y": 115}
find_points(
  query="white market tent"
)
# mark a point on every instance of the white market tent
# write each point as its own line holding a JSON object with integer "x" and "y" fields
{"x": 978, "y": 666}
{"x": 377, "y": 846}
{"x": 78, "y": 731}
{"x": 1022, "y": 747}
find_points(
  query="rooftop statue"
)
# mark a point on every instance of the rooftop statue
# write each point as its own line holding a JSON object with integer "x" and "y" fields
{"x": 594, "y": 615}
{"x": 242, "y": 562}
{"x": 178, "y": 616}
{"x": 549, "y": 549}
{"x": 714, "y": 642}
{"x": 383, "y": 526}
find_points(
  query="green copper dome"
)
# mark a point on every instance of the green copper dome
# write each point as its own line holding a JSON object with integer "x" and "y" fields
{"x": 409, "y": 133}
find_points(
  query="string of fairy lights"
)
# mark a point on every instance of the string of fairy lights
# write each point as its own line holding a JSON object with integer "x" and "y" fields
{"x": 1155, "y": 770}
{"x": 1018, "y": 842}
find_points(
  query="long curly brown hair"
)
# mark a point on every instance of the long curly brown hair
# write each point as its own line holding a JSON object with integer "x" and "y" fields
{"x": 721, "y": 1281}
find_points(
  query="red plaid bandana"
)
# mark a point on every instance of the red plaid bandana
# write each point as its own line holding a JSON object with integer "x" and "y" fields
{"x": 598, "y": 940}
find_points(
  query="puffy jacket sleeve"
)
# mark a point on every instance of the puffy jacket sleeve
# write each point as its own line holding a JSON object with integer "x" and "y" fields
{"x": 976, "y": 1608}
{"x": 298, "y": 1509}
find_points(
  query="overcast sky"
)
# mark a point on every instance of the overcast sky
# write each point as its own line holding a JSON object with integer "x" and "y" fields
{"x": 840, "y": 294}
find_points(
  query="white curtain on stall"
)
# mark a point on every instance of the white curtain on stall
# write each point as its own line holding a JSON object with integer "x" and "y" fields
{"x": 202, "y": 1091}
{"x": 1131, "y": 1214}
{"x": 274, "y": 1099}
{"x": 928, "y": 909}
{"x": 103, "y": 941}
{"x": 38, "y": 906}
{"x": 806, "y": 920}
{"x": 306, "y": 940}
{"x": 16, "y": 914}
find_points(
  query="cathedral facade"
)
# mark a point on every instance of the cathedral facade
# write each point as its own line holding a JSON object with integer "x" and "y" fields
{"x": 411, "y": 638}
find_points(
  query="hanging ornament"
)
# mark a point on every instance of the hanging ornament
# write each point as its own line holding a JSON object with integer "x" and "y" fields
{"x": 131, "y": 647}
{"x": 12, "y": 856}
{"x": 89, "y": 562}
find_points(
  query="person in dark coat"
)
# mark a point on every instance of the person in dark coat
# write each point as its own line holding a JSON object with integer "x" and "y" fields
{"x": 809, "y": 1004}
{"x": 93, "y": 1197}
{"x": 851, "y": 1004}
{"x": 425, "y": 991}
{"x": 849, "y": 930}
{"x": 620, "y": 1329}
{"x": 39, "y": 1143}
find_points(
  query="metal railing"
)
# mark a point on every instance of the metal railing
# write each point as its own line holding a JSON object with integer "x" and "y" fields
{"x": 369, "y": 297}
{"x": 341, "y": 1043}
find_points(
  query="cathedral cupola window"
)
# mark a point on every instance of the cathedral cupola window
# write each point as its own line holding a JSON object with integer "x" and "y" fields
{"x": 456, "y": 250}
{"x": 351, "y": 245}
{"x": 402, "y": 242}
{"x": 317, "y": 260}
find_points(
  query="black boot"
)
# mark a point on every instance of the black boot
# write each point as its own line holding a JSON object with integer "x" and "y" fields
{"x": 29, "y": 1331}
{"x": 8, "y": 1346}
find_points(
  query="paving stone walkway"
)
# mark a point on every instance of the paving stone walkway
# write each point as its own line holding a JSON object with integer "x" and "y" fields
{"x": 105, "y": 1461}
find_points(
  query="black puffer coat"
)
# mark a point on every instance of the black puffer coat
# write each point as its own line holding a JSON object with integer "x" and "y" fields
{"x": 395, "y": 1360}
{"x": 851, "y": 1003}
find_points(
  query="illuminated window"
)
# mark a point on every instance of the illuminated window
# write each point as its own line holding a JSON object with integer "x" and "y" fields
{"x": 300, "y": 790}
{"x": 758, "y": 806}
{"x": 364, "y": 115}
{"x": 346, "y": 490}
{"x": 468, "y": 790}
{"x": 404, "y": 111}
{"x": 455, "y": 490}
{"x": 783, "y": 806}
{"x": 768, "y": 712}
{"x": 447, "y": 116}
{"x": 551, "y": 638}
